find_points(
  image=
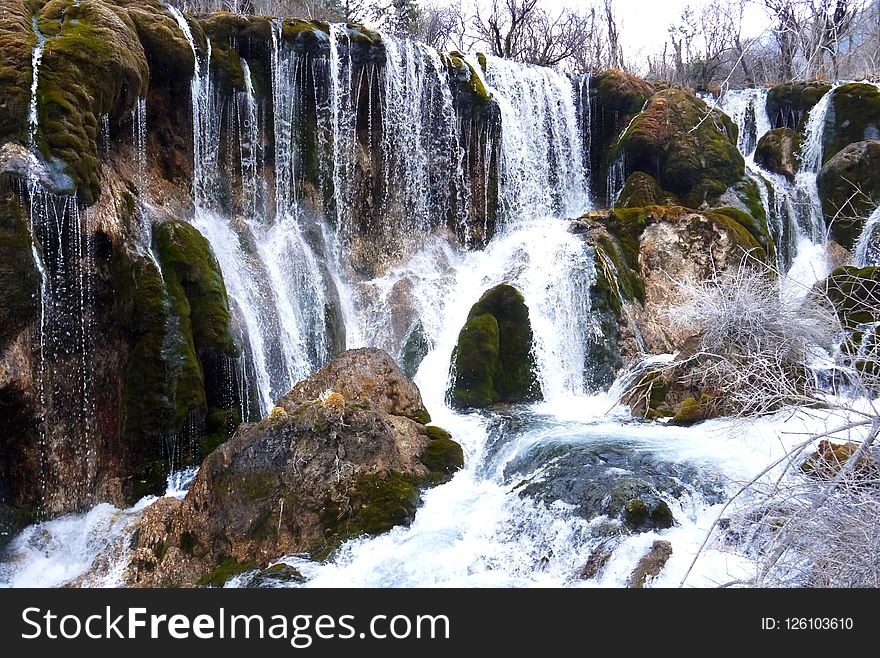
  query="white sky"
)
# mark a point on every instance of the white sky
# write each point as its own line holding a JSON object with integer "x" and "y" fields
{"x": 643, "y": 24}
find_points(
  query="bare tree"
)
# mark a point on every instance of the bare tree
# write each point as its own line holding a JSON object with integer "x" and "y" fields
{"x": 502, "y": 26}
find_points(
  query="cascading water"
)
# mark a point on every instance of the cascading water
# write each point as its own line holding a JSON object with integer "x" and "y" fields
{"x": 486, "y": 526}
{"x": 867, "y": 249}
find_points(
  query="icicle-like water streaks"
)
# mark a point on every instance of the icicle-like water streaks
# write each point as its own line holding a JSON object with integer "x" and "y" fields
{"x": 748, "y": 109}
{"x": 867, "y": 249}
{"x": 250, "y": 147}
{"x": 139, "y": 137}
{"x": 64, "y": 253}
{"x": 542, "y": 163}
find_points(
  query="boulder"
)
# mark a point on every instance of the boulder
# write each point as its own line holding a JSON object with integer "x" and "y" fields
{"x": 493, "y": 360}
{"x": 777, "y": 152}
{"x": 854, "y": 116}
{"x": 849, "y": 186}
{"x": 339, "y": 457}
{"x": 789, "y": 104}
{"x": 689, "y": 149}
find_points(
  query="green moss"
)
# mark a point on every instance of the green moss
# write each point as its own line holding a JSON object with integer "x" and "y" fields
{"x": 493, "y": 360}
{"x": 739, "y": 234}
{"x": 257, "y": 485}
{"x": 789, "y": 104}
{"x": 642, "y": 190}
{"x": 689, "y": 154}
{"x": 442, "y": 456}
{"x": 777, "y": 151}
{"x": 756, "y": 227}
{"x": 17, "y": 41}
{"x": 93, "y": 64}
{"x": 469, "y": 79}
{"x": 639, "y": 514}
{"x": 228, "y": 568}
{"x": 854, "y": 293}
{"x": 481, "y": 58}
{"x": 854, "y": 116}
{"x": 19, "y": 279}
{"x": 220, "y": 425}
{"x": 849, "y": 187}
{"x": 376, "y": 503}
{"x": 693, "y": 411}
{"x": 196, "y": 286}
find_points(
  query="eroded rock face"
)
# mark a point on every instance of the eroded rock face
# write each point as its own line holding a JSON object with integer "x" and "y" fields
{"x": 854, "y": 116}
{"x": 789, "y": 104}
{"x": 688, "y": 148}
{"x": 493, "y": 360}
{"x": 343, "y": 454}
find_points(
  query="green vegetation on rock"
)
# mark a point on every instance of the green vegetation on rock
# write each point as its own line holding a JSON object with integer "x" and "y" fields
{"x": 493, "y": 359}
{"x": 777, "y": 152}
{"x": 689, "y": 149}
{"x": 854, "y": 116}
{"x": 93, "y": 64}
{"x": 442, "y": 456}
{"x": 17, "y": 40}
{"x": 19, "y": 279}
{"x": 789, "y": 104}
{"x": 849, "y": 187}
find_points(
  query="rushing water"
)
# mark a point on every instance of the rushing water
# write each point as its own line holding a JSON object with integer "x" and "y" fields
{"x": 286, "y": 269}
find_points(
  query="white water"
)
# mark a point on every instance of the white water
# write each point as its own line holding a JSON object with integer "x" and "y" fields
{"x": 36, "y": 60}
{"x": 475, "y": 530}
{"x": 867, "y": 249}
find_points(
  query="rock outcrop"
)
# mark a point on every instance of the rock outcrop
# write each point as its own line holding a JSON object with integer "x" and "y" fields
{"x": 854, "y": 116}
{"x": 849, "y": 186}
{"x": 789, "y": 104}
{"x": 493, "y": 360}
{"x": 777, "y": 151}
{"x": 342, "y": 455}
{"x": 687, "y": 147}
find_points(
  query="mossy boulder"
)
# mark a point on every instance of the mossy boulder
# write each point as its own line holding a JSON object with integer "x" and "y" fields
{"x": 777, "y": 151}
{"x": 689, "y": 149}
{"x": 93, "y": 64}
{"x": 234, "y": 36}
{"x": 854, "y": 116}
{"x": 19, "y": 279}
{"x": 168, "y": 53}
{"x": 642, "y": 190}
{"x": 849, "y": 186}
{"x": 316, "y": 472}
{"x": 493, "y": 360}
{"x": 789, "y": 104}
{"x": 196, "y": 287}
{"x": 17, "y": 40}
{"x": 614, "y": 98}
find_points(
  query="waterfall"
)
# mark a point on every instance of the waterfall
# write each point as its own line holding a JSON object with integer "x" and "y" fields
{"x": 811, "y": 155}
{"x": 139, "y": 138}
{"x": 748, "y": 109}
{"x": 250, "y": 148}
{"x": 542, "y": 162}
{"x": 36, "y": 60}
{"x": 867, "y": 249}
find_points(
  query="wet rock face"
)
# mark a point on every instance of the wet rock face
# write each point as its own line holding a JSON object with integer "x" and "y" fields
{"x": 340, "y": 456}
{"x": 777, "y": 152}
{"x": 849, "y": 186}
{"x": 689, "y": 149}
{"x": 789, "y": 104}
{"x": 854, "y": 116}
{"x": 493, "y": 360}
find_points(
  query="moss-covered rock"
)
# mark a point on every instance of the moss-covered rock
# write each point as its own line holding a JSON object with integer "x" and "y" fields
{"x": 19, "y": 279}
{"x": 789, "y": 104}
{"x": 855, "y": 293}
{"x": 493, "y": 360}
{"x": 688, "y": 148}
{"x": 168, "y": 53}
{"x": 756, "y": 227}
{"x": 17, "y": 40}
{"x": 442, "y": 456}
{"x": 93, "y": 64}
{"x": 854, "y": 116}
{"x": 228, "y": 568}
{"x": 614, "y": 98}
{"x": 777, "y": 152}
{"x": 642, "y": 190}
{"x": 849, "y": 186}
{"x": 196, "y": 287}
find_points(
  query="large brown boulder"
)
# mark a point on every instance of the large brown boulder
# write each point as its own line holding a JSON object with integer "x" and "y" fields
{"x": 777, "y": 152}
{"x": 342, "y": 455}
